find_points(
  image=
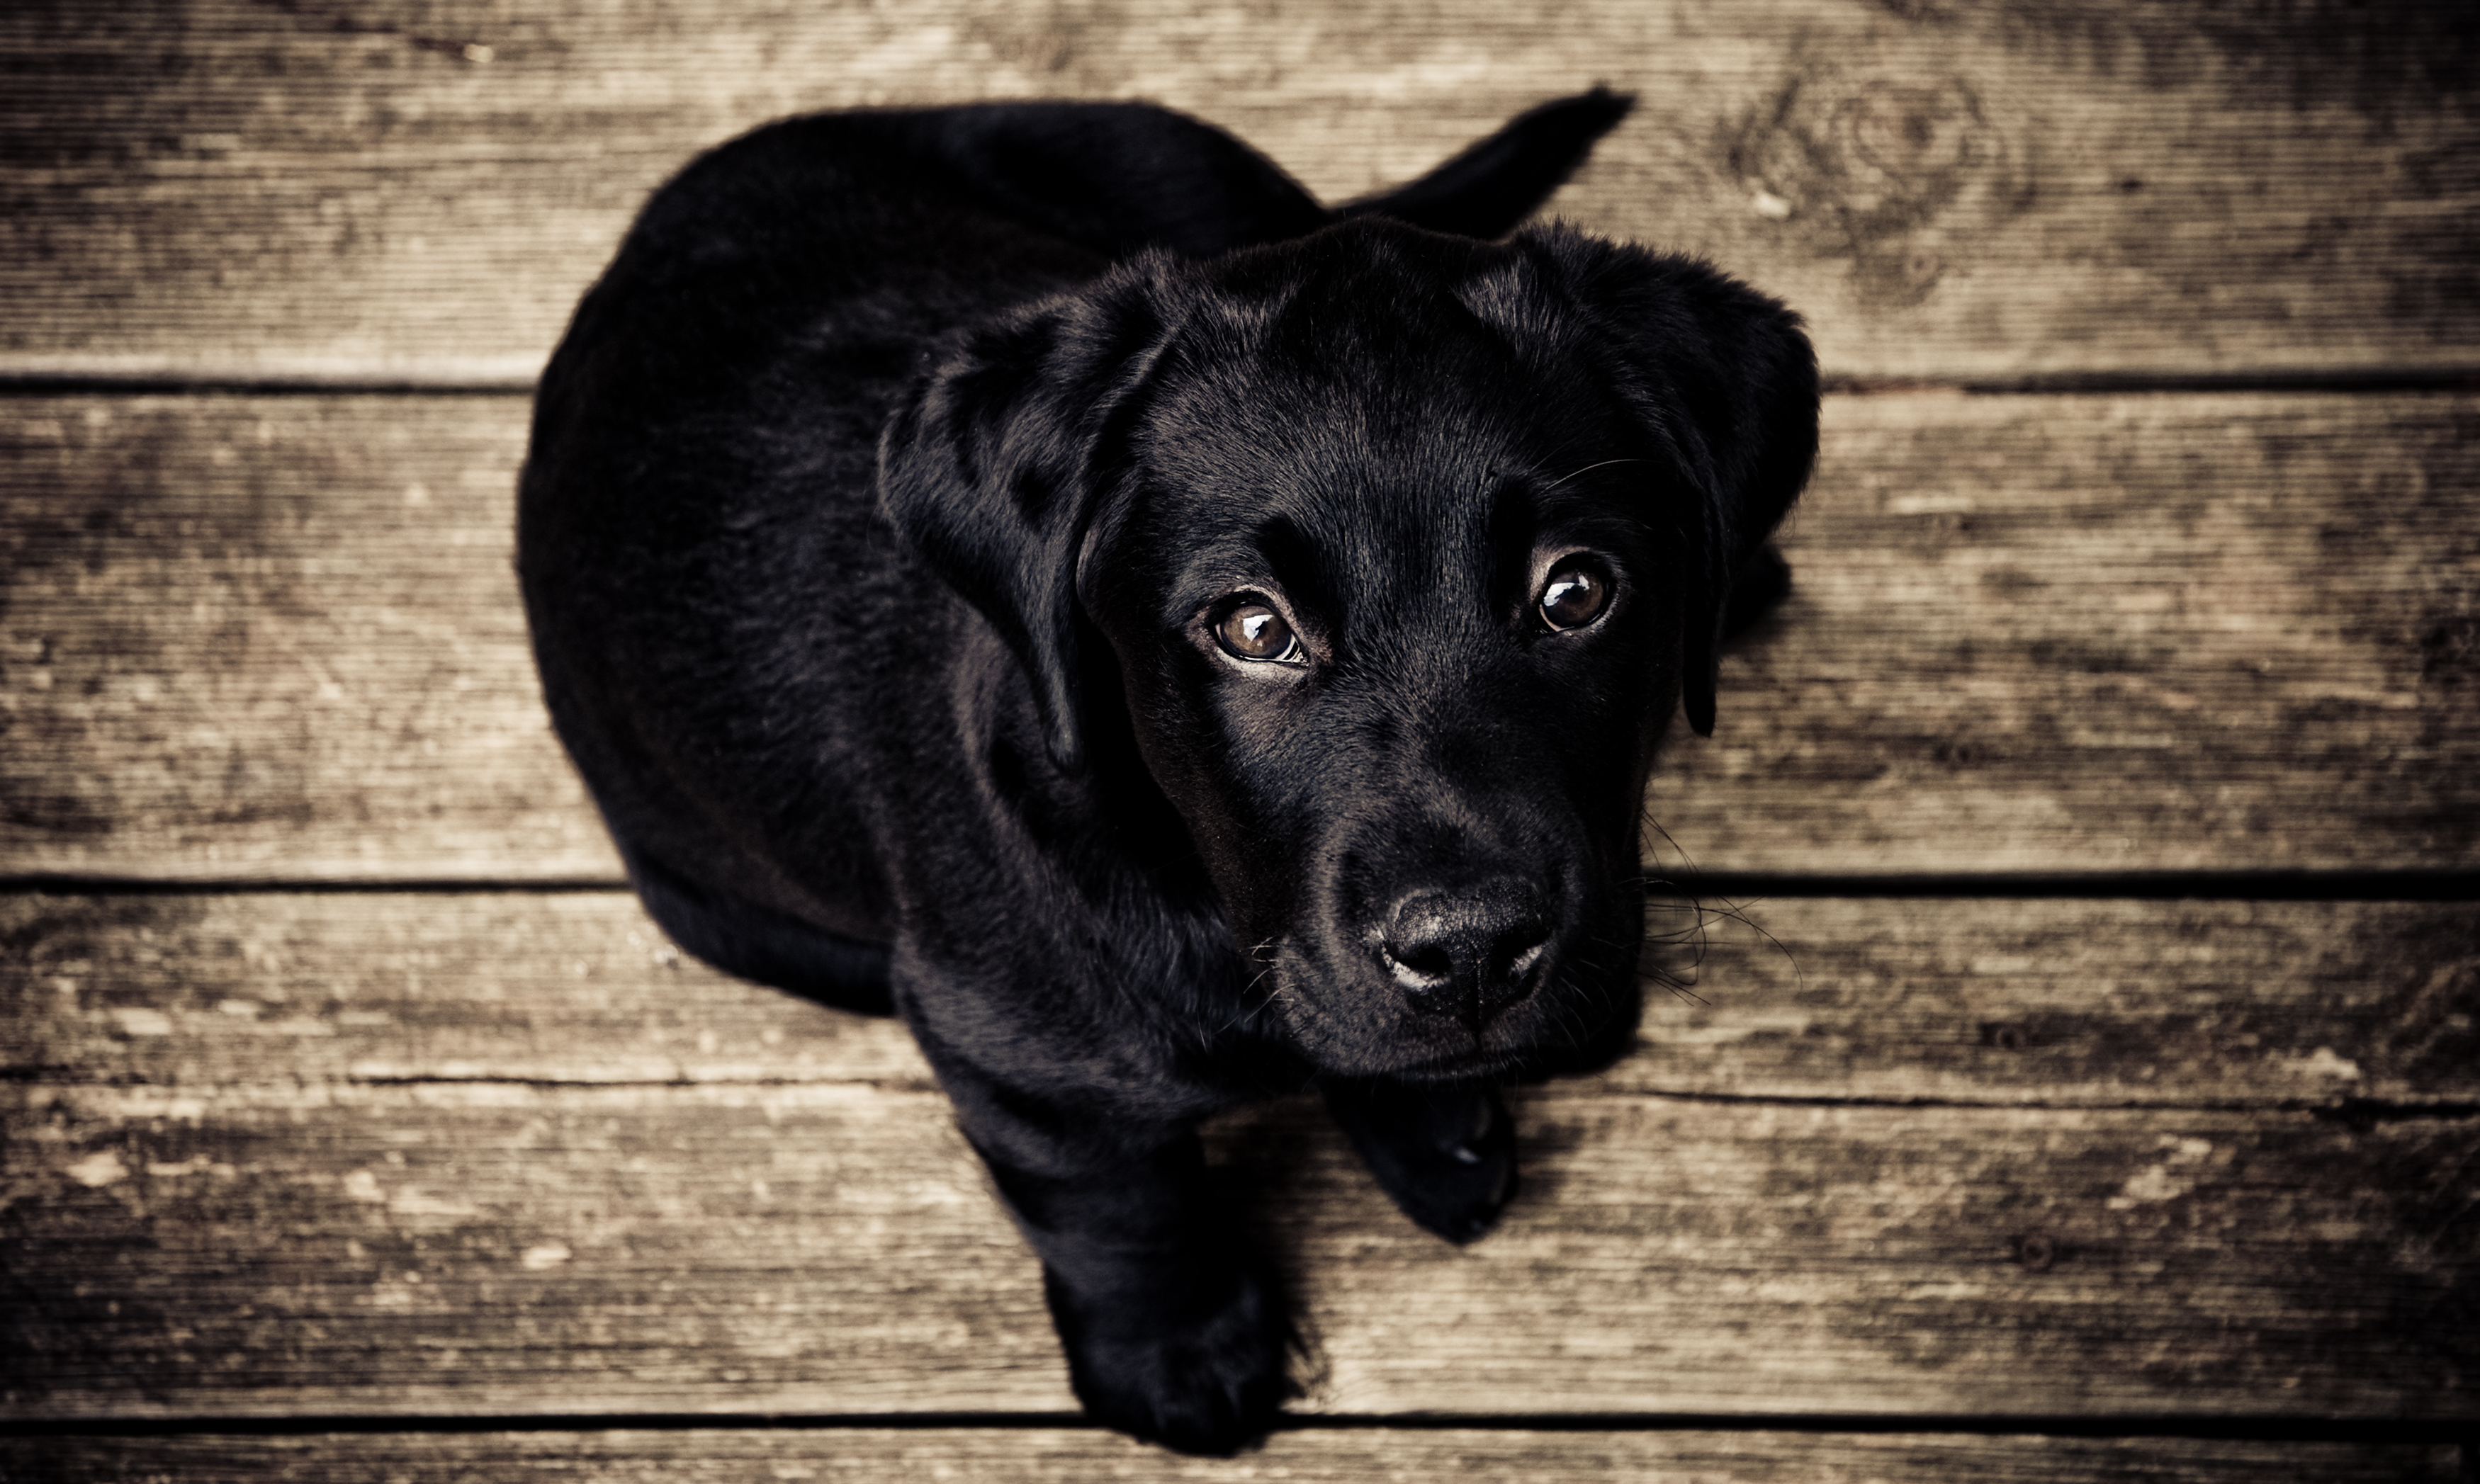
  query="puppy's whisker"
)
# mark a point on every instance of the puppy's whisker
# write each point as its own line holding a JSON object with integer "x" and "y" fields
{"x": 1586, "y": 470}
{"x": 1267, "y": 955}
{"x": 1676, "y": 987}
{"x": 1700, "y": 913}
{"x": 1572, "y": 1026}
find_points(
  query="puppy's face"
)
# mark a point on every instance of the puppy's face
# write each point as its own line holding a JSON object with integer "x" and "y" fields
{"x": 1397, "y": 600}
{"x": 1406, "y": 547}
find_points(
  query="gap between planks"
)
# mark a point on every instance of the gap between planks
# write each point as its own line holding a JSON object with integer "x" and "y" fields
{"x": 2308, "y": 381}
{"x": 1722, "y": 886}
{"x": 1385, "y": 1450}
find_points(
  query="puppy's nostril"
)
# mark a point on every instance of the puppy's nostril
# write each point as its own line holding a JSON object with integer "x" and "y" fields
{"x": 1426, "y": 966}
{"x": 1524, "y": 948}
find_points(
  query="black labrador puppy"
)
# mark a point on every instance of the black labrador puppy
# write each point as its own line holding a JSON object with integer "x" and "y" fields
{"x": 1033, "y": 568}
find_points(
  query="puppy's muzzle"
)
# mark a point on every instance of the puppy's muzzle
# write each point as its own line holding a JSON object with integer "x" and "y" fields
{"x": 1470, "y": 952}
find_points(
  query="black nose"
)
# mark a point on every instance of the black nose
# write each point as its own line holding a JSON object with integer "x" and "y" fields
{"x": 1468, "y": 953}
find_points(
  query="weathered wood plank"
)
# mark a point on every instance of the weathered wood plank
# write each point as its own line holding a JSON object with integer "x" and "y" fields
{"x": 2095, "y": 1002}
{"x": 202, "y": 991}
{"x": 282, "y": 1248}
{"x": 2035, "y": 633}
{"x": 274, "y": 636}
{"x": 298, "y": 190}
{"x": 1315, "y": 1456}
{"x": 2055, "y": 1002}
{"x": 495, "y": 1247}
{"x": 278, "y": 637}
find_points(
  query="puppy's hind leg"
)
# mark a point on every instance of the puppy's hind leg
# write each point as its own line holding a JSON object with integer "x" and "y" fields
{"x": 1490, "y": 188}
{"x": 1446, "y": 1154}
{"x": 758, "y": 945}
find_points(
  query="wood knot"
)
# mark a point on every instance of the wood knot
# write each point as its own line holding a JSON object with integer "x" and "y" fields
{"x": 1902, "y": 131}
{"x": 1870, "y": 168}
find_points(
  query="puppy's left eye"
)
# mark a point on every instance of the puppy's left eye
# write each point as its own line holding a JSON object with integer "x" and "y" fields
{"x": 1255, "y": 631}
{"x": 1579, "y": 589}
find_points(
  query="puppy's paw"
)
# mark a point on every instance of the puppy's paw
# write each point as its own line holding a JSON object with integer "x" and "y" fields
{"x": 1197, "y": 1363}
{"x": 1447, "y": 1156}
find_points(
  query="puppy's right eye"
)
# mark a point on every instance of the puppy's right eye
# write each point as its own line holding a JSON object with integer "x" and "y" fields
{"x": 1579, "y": 589}
{"x": 1254, "y": 631}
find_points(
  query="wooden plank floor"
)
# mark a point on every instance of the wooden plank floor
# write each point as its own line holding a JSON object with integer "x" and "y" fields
{"x": 2071, "y": 1072}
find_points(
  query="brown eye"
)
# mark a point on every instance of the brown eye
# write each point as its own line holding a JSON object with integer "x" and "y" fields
{"x": 1253, "y": 630}
{"x": 1575, "y": 595}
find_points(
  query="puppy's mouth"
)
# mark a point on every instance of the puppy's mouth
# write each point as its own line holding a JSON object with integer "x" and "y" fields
{"x": 1480, "y": 1067}
{"x": 1363, "y": 1019}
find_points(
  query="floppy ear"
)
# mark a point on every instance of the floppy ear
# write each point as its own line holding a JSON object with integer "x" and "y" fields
{"x": 1725, "y": 377}
{"x": 993, "y": 466}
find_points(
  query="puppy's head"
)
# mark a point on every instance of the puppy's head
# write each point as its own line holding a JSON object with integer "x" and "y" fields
{"x": 1407, "y": 547}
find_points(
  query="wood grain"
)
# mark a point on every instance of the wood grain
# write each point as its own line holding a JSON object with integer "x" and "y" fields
{"x": 1038, "y": 1455}
{"x": 301, "y": 189}
{"x": 278, "y": 637}
{"x": 2061, "y": 1002}
{"x": 460, "y": 1249}
{"x": 2085, "y": 634}
{"x": 2048, "y": 1002}
{"x": 274, "y": 636}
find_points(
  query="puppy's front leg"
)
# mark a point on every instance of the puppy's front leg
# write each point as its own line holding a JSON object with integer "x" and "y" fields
{"x": 1446, "y": 1154}
{"x": 1177, "y": 1327}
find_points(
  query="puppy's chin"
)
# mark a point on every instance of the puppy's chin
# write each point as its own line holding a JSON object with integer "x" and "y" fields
{"x": 1353, "y": 1026}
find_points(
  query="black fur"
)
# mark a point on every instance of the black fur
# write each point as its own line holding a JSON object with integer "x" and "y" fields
{"x": 883, "y": 502}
